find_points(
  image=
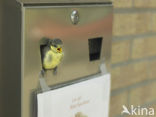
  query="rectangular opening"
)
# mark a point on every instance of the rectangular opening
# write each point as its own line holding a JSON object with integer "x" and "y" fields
{"x": 95, "y": 45}
{"x": 42, "y": 52}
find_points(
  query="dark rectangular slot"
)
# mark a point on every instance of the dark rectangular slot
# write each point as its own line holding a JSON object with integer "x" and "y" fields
{"x": 63, "y": 4}
{"x": 95, "y": 45}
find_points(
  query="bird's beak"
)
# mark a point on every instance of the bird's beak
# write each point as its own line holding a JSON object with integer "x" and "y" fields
{"x": 59, "y": 49}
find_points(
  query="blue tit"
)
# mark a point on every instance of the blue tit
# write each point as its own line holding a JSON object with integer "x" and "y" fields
{"x": 52, "y": 55}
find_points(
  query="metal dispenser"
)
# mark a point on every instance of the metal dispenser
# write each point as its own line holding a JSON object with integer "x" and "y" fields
{"x": 85, "y": 28}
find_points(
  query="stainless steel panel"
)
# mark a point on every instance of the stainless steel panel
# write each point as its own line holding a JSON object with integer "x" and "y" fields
{"x": 95, "y": 21}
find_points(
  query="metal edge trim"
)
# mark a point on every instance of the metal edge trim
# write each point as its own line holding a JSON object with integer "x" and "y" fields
{"x": 68, "y": 6}
{"x": 22, "y": 55}
{"x": 64, "y": 4}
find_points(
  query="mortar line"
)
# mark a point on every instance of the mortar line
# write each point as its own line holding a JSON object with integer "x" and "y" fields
{"x": 135, "y": 36}
{"x": 133, "y": 86}
{"x": 133, "y": 61}
{"x": 149, "y": 103}
{"x": 134, "y": 10}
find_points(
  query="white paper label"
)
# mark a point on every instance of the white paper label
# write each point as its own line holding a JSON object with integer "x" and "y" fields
{"x": 85, "y": 99}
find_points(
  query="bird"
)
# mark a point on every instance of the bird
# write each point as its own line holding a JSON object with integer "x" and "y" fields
{"x": 51, "y": 54}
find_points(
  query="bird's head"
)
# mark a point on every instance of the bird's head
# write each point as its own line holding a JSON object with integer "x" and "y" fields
{"x": 56, "y": 45}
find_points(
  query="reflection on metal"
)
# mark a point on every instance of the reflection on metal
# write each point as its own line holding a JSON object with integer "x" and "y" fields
{"x": 74, "y": 17}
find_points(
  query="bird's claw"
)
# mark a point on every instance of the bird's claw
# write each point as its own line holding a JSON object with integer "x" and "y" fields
{"x": 55, "y": 71}
{"x": 42, "y": 72}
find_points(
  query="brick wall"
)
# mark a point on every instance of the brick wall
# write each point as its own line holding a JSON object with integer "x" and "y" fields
{"x": 133, "y": 55}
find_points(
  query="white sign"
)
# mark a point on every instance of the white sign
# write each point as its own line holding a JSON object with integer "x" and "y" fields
{"x": 85, "y": 99}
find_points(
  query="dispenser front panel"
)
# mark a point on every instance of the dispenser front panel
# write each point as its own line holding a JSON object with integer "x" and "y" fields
{"x": 86, "y": 32}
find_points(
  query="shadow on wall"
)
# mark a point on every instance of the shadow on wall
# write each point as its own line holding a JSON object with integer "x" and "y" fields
{"x": 9, "y": 59}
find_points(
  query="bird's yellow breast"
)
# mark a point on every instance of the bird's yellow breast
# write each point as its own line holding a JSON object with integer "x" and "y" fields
{"x": 52, "y": 59}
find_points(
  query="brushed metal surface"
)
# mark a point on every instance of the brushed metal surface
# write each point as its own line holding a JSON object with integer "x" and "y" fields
{"x": 54, "y": 22}
{"x": 61, "y": 1}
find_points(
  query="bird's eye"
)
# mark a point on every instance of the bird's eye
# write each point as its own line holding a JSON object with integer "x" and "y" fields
{"x": 59, "y": 49}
